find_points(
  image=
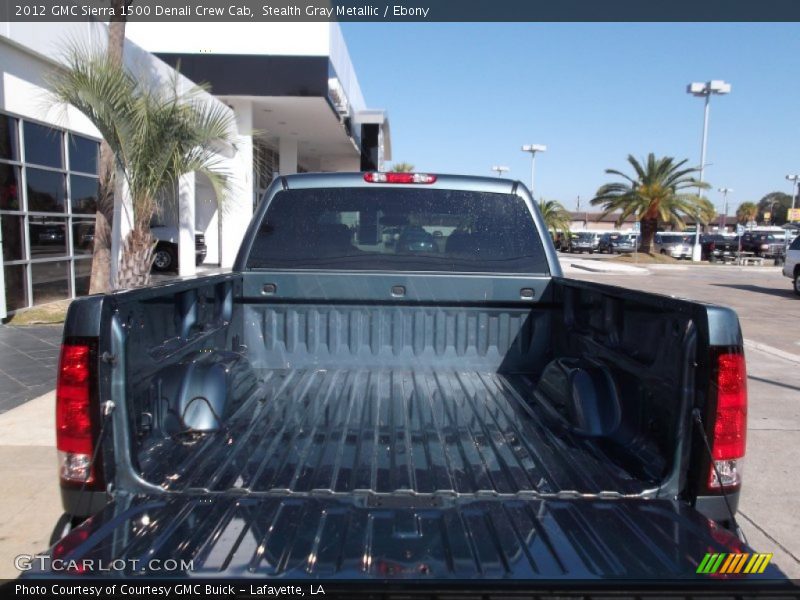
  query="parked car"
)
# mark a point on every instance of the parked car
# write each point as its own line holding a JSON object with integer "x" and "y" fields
{"x": 616, "y": 243}
{"x": 583, "y": 241}
{"x": 676, "y": 245}
{"x": 331, "y": 410}
{"x": 49, "y": 234}
{"x": 791, "y": 266}
{"x": 716, "y": 247}
{"x": 768, "y": 244}
{"x": 165, "y": 257}
{"x": 415, "y": 239}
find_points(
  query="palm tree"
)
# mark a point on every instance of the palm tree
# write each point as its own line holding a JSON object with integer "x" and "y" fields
{"x": 402, "y": 167}
{"x": 708, "y": 212}
{"x": 657, "y": 192}
{"x": 556, "y": 217}
{"x": 100, "y": 280}
{"x": 747, "y": 211}
{"x": 156, "y": 135}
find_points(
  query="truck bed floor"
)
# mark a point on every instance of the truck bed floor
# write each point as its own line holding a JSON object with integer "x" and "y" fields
{"x": 385, "y": 431}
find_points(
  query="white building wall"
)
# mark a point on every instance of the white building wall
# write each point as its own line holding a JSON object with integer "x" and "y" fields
{"x": 286, "y": 39}
{"x": 28, "y": 54}
{"x": 238, "y": 210}
{"x": 24, "y": 90}
{"x": 207, "y": 218}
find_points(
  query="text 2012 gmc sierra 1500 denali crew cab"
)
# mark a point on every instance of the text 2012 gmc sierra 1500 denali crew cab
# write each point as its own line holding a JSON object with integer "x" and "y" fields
{"x": 438, "y": 403}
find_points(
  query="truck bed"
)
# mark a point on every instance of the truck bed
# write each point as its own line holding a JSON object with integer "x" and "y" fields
{"x": 383, "y": 431}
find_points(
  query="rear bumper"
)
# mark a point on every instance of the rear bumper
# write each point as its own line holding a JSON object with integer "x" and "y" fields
{"x": 82, "y": 504}
{"x": 714, "y": 507}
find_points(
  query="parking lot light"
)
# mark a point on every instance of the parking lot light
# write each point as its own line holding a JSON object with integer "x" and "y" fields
{"x": 704, "y": 90}
{"x": 533, "y": 149}
{"x": 794, "y": 179}
{"x": 500, "y": 169}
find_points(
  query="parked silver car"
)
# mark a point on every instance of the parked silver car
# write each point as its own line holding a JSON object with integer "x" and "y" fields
{"x": 676, "y": 245}
{"x": 583, "y": 241}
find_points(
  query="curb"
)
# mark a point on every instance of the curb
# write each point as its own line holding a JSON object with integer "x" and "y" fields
{"x": 795, "y": 358}
{"x": 628, "y": 271}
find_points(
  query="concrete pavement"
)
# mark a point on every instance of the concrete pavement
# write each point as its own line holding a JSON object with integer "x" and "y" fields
{"x": 29, "y": 470}
{"x": 28, "y": 357}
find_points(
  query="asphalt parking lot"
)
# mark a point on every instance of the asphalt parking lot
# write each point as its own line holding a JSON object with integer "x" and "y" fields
{"x": 769, "y": 312}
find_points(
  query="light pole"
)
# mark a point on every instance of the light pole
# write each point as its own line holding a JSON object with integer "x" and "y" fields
{"x": 724, "y": 220}
{"x": 794, "y": 179}
{"x": 533, "y": 149}
{"x": 499, "y": 169}
{"x": 704, "y": 90}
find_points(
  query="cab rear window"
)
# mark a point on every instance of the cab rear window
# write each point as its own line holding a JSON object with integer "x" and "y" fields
{"x": 398, "y": 229}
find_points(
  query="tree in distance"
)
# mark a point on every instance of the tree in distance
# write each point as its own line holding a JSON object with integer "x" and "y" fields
{"x": 658, "y": 191}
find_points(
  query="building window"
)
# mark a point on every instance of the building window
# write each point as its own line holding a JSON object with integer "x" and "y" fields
{"x": 15, "y": 277}
{"x": 13, "y": 227}
{"x": 46, "y": 190}
{"x": 43, "y": 145}
{"x": 48, "y": 197}
{"x": 9, "y": 187}
{"x": 84, "y": 191}
{"x": 83, "y": 154}
{"x": 50, "y": 281}
{"x": 9, "y": 149}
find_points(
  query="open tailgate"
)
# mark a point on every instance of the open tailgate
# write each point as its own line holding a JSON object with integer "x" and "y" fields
{"x": 399, "y": 537}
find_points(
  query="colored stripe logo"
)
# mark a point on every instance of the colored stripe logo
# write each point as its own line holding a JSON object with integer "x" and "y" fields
{"x": 731, "y": 563}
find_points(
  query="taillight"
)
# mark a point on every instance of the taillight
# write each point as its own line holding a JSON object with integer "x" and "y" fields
{"x": 74, "y": 438}
{"x": 379, "y": 177}
{"x": 730, "y": 425}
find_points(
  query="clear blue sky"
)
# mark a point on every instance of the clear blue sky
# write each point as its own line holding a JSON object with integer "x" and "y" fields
{"x": 464, "y": 97}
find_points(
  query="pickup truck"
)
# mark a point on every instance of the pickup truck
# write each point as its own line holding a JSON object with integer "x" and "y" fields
{"x": 340, "y": 408}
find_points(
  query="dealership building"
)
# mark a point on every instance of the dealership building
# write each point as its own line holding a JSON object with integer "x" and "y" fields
{"x": 291, "y": 90}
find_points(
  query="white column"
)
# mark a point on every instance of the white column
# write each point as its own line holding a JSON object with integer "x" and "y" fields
{"x": 236, "y": 214}
{"x": 123, "y": 222}
{"x": 287, "y": 152}
{"x": 186, "y": 247}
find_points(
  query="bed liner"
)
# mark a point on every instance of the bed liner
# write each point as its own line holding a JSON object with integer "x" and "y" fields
{"x": 388, "y": 431}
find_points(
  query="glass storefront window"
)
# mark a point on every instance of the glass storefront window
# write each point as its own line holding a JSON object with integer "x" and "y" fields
{"x": 83, "y": 154}
{"x": 50, "y": 281}
{"x": 46, "y": 220}
{"x": 43, "y": 145}
{"x": 83, "y": 272}
{"x": 15, "y": 286}
{"x": 13, "y": 236}
{"x": 82, "y": 236}
{"x": 48, "y": 236}
{"x": 83, "y": 191}
{"x": 9, "y": 187}
{"x": 46, "y": 191}
{"x": 9, "y": 148}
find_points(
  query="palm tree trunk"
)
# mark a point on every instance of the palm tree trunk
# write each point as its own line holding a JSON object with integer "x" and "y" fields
{"x": 137, "y": 259}
{"x": 100, "y": 280}
{"x": 649, "y": 228}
